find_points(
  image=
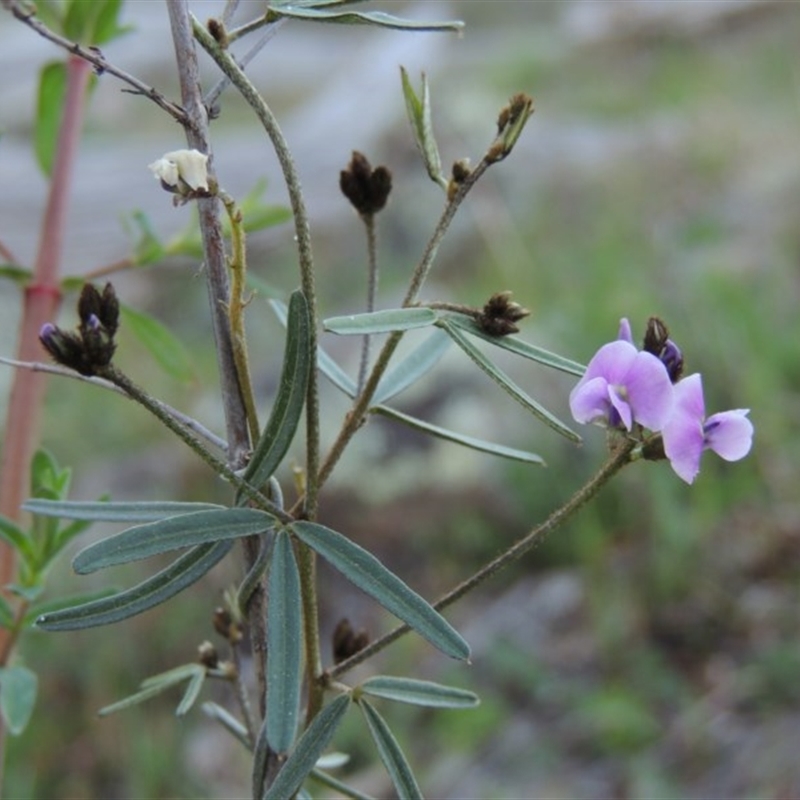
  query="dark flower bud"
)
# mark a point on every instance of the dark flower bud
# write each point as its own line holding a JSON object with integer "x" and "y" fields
{"x": 672, "y": 359}
{"x": 109, "y": 310}
{"x": 367, "y": 189}
{"x": 65, "y": 348}
{"x": 346, "y": 642}
{"x": 226, "y": 626}
{"x": 510, "y": 123}
{"x": 207, "y": 655}
{"x": 460, "y": 172}
{"x": 655, "y": 336}
{"x": 500, "y": 315}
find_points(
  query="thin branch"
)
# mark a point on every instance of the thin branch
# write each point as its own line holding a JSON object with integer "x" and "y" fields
{"x": 535, "y": 537}
{"x": 372, "y": 292}
{"x": 98, "y": 61}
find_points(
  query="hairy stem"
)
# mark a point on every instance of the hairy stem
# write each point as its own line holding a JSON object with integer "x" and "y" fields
{"x": 613, "y": 465}
{"x": 372, "y": 293}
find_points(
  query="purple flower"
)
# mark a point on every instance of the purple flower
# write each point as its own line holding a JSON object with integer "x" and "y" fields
{"x": 622, "y": 386}
{"x": 687, "y": 433}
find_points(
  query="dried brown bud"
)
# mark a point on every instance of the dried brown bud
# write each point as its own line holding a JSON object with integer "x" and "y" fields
{"x": 500, "y": 315}
{"x": 346, "y": 642}
{"x": 510, "y": 122}
{"x": 207, "y": 655}
{"x": 226, "y": 626}
{"x": 460, "y": 172}
{"x": 217, "y": 30}
{"x": 655, "y": 336}
{"x": 367, "y": 189}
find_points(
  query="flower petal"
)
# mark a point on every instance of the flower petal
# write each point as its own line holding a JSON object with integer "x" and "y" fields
{"x": 625, "y": 333}
{"x": 689, "y": 396}
{"x": 621, "y": 406}
{"x": 612, "y": 362}
{"x": 192, "y": 167}
{"x": 683, "y": 444}
{"x": 650, "y": 391}
{"x": 729, "y": 434}
{"x": 588, "y": 401}
{"x": 165, "y": 170}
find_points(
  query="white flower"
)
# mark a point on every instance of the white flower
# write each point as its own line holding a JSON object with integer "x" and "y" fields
{"x": 189, "y": 166}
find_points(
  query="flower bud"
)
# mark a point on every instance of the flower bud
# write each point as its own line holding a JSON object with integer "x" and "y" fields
{"x": 207, "y": 655}
{"x": 510, "y": 123}
{"x": 183, "y": 172}
{"x": 346, "y": 642}
{"x": 500, "y": 315}
{"x": 367, "y": 189}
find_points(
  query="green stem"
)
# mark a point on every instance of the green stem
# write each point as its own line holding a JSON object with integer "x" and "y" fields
{"x": 588, "y": 491}
{"x": 236, "y": 306}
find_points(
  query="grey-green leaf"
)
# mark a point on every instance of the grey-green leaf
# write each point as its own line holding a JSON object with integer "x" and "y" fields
{"x": 419, "y": 693}
{"x": 419, "y": 115}
{"x": 159, "y": 683}
{"x": 379, "y": 18}
{"x": 363, "y": 570}
{"x": 284, "y": 645}
{"x": 49, "y": 108}
{"x": 519, "y": 347}
{"x": 228, "y": 721}
{"x": 100, "y": 511}
{"x": 157, "y": 589}
{"x": 505, "y": 383}
{"x": 332, "y": 371}
{"x": 417, "y": 363}
{"x": 18, "y": 688}
{"x": 308, "y": 749}
{"x": 167, "y": 350}
{"x": 387, "y": 321}
{"x": 458, "y": 438}
{"x": 288, "y": 406}
{"x": 394, "y": 760}
{"x": 186, "y": 530}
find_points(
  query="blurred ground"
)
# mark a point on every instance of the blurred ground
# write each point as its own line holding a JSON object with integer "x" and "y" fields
{"x": 650, "y": 649}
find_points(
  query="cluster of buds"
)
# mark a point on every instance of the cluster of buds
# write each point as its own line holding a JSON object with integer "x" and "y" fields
{"x": 500, "y": 315}
{"x": 510, "y": 123}
{"x": 347, "y": 642}
{"x": 366, "y": 188}
{"x": 88, "y": 350}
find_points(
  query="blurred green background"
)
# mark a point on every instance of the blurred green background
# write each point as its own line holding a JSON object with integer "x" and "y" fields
{"x": 648, "y": 649}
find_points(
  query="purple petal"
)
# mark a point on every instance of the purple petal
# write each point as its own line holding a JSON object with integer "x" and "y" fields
{"x": 689, "y": 396}
{"x": 729, "y": 434}
{"x": 683, "y": 444}
{"x": 650, "y": 391}
{"x": 612, "y": 362}
{"x": 588, "y": 401}
{"x": 625, "y": 334}
{"x": 620, "y": 404}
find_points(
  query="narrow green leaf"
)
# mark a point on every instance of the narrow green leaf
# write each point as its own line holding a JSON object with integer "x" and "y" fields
{"x": 378, "y": 18}
{"x": 506, "y": 384}
{"x": 416, "y": 364}
{"x": 419, "y": 115}
{"x": 394, "y": 760}
{"x": 102, "y": 511}
{"x": 308, "y": 749}
{"x": 227, "y": 720}
{"x": 79, "y": 20}
{"x": 392, "y": 319}
{"x": 165, "y": 348}
{"x": 49, "y": 606}
{"x": 183, "y": 572}
{"x": 6, "y": 614}
{"x": 157, "y": 684}
{"x": 458, "y": 438}
{"x": 106, "y": 24}
{"x": 258, "y": 214}
{"x": 173, "y": 533}
{"x": 11, "y": 533}
{"x": 338, "y": 786}
{"x": 29, "y": 592}
{"x": 419, "y": 693}
{"x": 288, "y": 406}
{"x": 16, "y": 273}
{"x": 148, "y": 248}
{"x": 18, "y": 688}
{"x": 192, "y": 692}
{"x": 51, "y": 13}
{"x": 332, "y": 371}
{"x": 49, "y": 107}
{"x": 284, "y": 645}
{"x": 519, "y": 347}
{"x": 363, "y": 570}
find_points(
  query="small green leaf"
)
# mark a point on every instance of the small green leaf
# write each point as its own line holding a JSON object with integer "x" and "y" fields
{"x": 419, "y": 115}
{"x": 419, "y": 693}
{"x": 394, "y": 760}
{"x": 506, "y": 384}
{"x": 379, "y": 18}
{"x": 79, "y": 20}
{"x": 257, "y": 214}
{"x": 284, "y": 645}
{"x": 416, "y": 364}
{"x": 165, "y": 348}
{"x": 335, "y": 374}
{"x": 16, "y": 273}
{"x": 6, "y": 613}
{"x": 183, "y": 572}
{"x": 308, "y": 749}
{"x": 227, "y": 720}
{"x": 50, "y": 606}
{"x": 49, "y": 106}
{"x": 159, "y": 683}
{"x": 192, "y": 692}
{"x": 18, "y": 539}
{"x": 51, "y": 13}
{"x": 363, "y": 570}
{"x": 519, "y": 347}
{"x": 458, "y": 438}
{"x": 106, "y": 22}
{"x": 173, "y": 533}
{"x": 148, "y": 248}
{"x": 102, "y": 511}
{"x": 288, "y": 406}
{"x": 29, "y": 592}
{"x": 392, "y": 319}
{"x": 18, "y": 688}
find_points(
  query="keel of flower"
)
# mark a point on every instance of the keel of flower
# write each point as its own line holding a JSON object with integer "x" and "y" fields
{"x": 622, "y": 386}
{"x": 687, "y": 433}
